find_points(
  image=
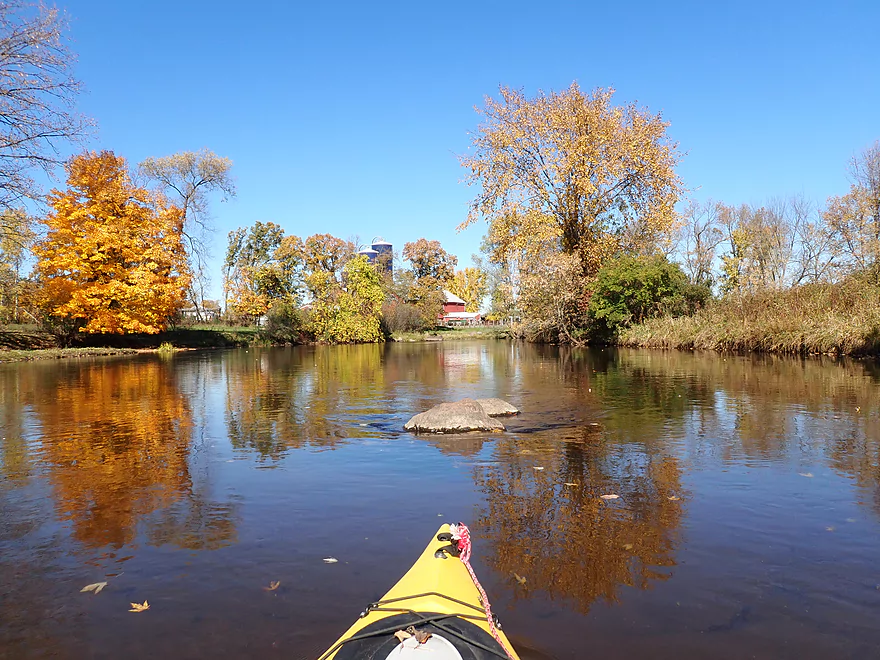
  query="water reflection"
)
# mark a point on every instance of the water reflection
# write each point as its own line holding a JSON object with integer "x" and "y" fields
{"x": 550, "y": 529}
{"x": 768, "y": 467}
{"x": 763, "y": 409}
{"x": 114, "y": 439}
{"x": 280, "y": 400}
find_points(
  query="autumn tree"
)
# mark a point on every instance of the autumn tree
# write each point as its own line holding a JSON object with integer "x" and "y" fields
{"x": 37, "y": 97}
{"x": 814, "y": 257}
{"x": 595, "y": 177}
{"x": 470, "y": 285}
{"x": 348, "y": 311}
{"x": 433, "y": 269}
{"x": 262, "y": 267}
{"x": 854, "y": 218}
{"x": 188, "y": 178}
{"x": 112, "y": 259}
{"x": 327, "y": 253}
{"x": 16, "y": 236}
{"x": 699, "y": 239}
{"x": 430, "y": 262}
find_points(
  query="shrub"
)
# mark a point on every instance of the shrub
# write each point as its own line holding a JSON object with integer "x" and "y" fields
{"x": 633, "y": 289}
{"x": 400, "y": 316}
{"x": 285, "y": 323}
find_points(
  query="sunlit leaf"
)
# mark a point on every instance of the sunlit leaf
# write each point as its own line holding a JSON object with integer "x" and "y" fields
{"x": 96, "y": 587}
{"x": 609, "y": 497}
{"x": 136, "y": 607}
{"x": 273, "y": 585}
{"x": 330, "y": 560}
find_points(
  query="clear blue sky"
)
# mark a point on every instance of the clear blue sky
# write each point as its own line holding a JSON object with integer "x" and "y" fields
{"x": 347, "y": 117}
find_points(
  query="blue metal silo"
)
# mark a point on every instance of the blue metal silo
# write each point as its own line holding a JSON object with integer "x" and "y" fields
{"x": 369, "y": 253}
{"x": 385, "y": 252}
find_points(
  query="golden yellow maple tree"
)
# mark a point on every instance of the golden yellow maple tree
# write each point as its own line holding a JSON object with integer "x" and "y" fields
{"x": 471, "y": 286}
{"x": 112, "y": 259}
{"x": 573, "y": 168}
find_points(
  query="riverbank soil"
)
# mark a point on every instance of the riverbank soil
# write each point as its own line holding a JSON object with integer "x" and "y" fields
{"x": 34, "y": 344}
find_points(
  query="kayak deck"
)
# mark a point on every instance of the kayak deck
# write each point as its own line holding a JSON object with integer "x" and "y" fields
{"x": 437, "y": 594}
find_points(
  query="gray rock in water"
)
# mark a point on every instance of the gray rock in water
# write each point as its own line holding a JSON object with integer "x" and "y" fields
{"x": 457, "y": 417}
{"x": 497, "y": 407}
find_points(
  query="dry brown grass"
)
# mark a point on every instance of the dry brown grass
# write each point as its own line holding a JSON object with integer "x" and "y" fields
{"x": 843, "y": 319}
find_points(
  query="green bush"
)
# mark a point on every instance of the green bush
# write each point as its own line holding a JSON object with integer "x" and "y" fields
{"x": 285, "y": 324}
{"x": 634, "y": 289}
{"x": 350, "y": 314}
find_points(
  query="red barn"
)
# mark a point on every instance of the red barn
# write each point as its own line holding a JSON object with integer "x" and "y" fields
{"x": 454, "y": 311}
{"x": 452, "y": 303}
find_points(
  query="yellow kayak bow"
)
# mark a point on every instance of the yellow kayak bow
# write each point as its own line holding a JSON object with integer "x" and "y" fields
{"x": 435, "y": 611}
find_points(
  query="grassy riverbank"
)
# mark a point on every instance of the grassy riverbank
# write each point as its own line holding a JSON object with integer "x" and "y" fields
{"x": 30, "y": 343}
{"x": 455, "y": 334}
{"x": 842, "y": 319}
{"x": 21, "y": 355}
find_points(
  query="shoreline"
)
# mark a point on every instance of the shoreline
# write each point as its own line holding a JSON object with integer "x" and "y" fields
{"x": 29, "y": 346}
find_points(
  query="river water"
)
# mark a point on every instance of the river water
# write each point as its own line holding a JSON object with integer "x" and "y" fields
{"x": 747, "y": 522}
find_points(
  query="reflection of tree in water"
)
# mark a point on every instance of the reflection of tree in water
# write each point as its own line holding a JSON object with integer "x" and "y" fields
{"x": 194, "y": 523}
{"x": 117, "y": 437}
{"x": 464, "y": 444}
{"x": 566, "y": 540}
{"x": 15, "y": 462}
{"x": 818, "y": 410}
{"x": 282, "y": 400}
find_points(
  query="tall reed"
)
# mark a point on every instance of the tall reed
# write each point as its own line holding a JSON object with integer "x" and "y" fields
{"x": 841, "y": 318}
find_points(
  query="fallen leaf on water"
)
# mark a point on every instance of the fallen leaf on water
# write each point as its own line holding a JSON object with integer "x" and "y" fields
{"x": 609, "y": 497}
{"x": 519, "y": 578}
{"x": 628, "y": 546}
{"x": 805, "y": 474}
{"x": 135, "y": 607}
{"x": 402, "y": 635}
{"x": 850, "y": 520}
{"x": 273, "y": 585}
{"x": 673, "y": 498}
{"x": 829, "y": 529}
{"x": 537, "y": 468}
{"x": 96, "y": 587}
{"x": 570, "y": 483}
{"x": 330, "y": 560}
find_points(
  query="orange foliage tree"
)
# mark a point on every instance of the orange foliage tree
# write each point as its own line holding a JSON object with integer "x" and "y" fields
{"x": 112, "y": 260}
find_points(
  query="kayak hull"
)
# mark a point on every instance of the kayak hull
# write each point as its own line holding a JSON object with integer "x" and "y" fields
{"x": 437, "y": 595}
